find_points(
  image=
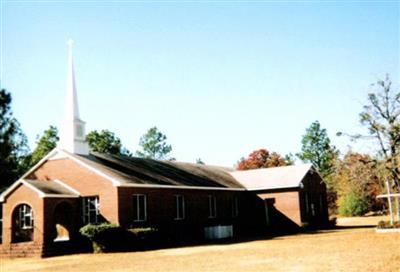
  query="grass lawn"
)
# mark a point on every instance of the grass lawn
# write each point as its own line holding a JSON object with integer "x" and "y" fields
{"x": 355, "y": 248}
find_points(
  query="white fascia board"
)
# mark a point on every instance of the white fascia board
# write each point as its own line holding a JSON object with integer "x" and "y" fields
{"x": 66, "y": 186}
{"x": 33, "y": 168}
{"x": 43, "y": 160}
{"x": 114, "y": 181}
{"x": 180, "y": 187}
{"x": 9, "y": 190}
{"x": 59, "y": 196}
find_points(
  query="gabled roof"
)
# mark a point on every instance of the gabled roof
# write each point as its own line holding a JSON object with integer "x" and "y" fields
{"x": 272, "y": 178}
{"x": 44, "y": 188}
{"x": 139, "y": 171}
{"x": 51, "y": 187}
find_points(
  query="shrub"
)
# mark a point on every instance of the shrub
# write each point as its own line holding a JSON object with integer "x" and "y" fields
{"x": 144, "y": 233}
{"x": 104, "y": 236}
{"x": 353, "y": 204}
{"x": 146, "y": 238}
{"x": 387, "y": 225}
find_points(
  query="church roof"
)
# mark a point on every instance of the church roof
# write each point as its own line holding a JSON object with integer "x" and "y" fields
{"x": 50, "y": 187}
{"x": 272, "y": 178}
{"x": 140, "y": 171}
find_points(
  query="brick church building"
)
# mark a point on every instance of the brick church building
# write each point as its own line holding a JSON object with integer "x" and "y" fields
{"x": 42, "y": 212}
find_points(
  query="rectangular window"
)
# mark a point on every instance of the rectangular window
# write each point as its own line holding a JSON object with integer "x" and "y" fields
{"x": 139, "y": 207}
{"x": 321, "y": 205}
{"x": 26, "y": 217}
{"x": 180, "y": 207}
{"x": 235, "y": 206}
{"x": 90, "y": 210}
{"x": 212, "y": 206}
{"x": 306, "y": 203}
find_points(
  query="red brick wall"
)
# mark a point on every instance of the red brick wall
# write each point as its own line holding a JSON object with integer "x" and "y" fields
{"x": 161, "y": 209}
{"x": 286, "y": 203}
{"x": 87, "y": 182}
{"x": 23, "y": 195}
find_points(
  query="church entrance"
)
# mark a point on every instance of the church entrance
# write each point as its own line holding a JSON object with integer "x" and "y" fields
{"x": 63, "y": 221}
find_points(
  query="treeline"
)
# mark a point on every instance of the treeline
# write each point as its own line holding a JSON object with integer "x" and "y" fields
{"x": 353, "y": 179}
{"x": 16, "y": 157}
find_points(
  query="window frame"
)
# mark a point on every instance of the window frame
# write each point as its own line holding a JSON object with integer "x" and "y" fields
{"x": 137, "y": 214}
{"x": 25, "y": 217}
{"x": 179, "y": 214}
{"x": 212, "y": 206}
{"x": 87, "y": 210}
{"x": 235, "y": 206}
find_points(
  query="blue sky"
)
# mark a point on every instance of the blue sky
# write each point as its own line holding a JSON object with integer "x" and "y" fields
{"x": 220, "y": 79}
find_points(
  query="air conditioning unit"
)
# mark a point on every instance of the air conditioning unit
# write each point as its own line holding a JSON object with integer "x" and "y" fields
{"x": 218, "y": 232}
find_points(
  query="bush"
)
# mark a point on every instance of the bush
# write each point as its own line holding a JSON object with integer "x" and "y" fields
{"x": 146, "y": 238}
{"x": 105, "y": 236}
{"x": 144, "y": 233}
{"x": 387, "y": 225}
{"x": 353, "y": 204}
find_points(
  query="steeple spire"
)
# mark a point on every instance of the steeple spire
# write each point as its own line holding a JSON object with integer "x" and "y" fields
{"x": 72, "y": 138}
{"x": 72, "y": 98}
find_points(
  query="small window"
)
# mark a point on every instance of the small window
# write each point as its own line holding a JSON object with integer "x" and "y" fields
{"x": 306, "y": 203}
{"x": 139, "y": 208}
{"x": 180, "y": 207}
{"x": 212, "y": 206}
{"x": 91, "y": 210}
{"x": 235, "y": 206}
{"x": 321, "y": 204}
{"x": 79, "y": 131}
{"x": 22, "y": 224}
{"x": 25, "y": 217}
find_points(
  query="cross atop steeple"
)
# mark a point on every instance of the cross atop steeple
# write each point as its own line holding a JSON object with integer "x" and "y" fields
{"x": 72, "y": 136}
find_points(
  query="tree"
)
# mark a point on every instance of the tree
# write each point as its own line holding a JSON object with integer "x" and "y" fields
{"x": 199, "y": 161}
{"x": 154, "y": 145}
{"x": 381, "y": 117}
{"x": 46, "y": 143}
{"x": 357, "y": 184}
{"x": 317, "y": 149}
{"x": 107, "y": 142}
{"x": 289, "y": 159}
{"x": 261, "y": 158}
{"x": 13, "y": 143}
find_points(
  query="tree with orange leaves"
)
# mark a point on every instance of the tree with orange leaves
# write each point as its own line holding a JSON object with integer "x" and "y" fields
{"x": 261, "y": 158}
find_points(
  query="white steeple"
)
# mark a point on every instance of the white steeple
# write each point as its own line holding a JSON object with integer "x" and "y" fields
{"x": 72, "y": 138}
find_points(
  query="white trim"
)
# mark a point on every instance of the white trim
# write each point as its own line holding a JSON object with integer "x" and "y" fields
{"x": 388, "y": 195}
{"x": 41, "y": 194}
{"x": 66, "y": 186}
{"x": 59, "y": 196}
{"x": 86, "y": 209}
{"x": 114, "y": 181}
{"x": 180, "y": 187}
{"x": 33, "y": 168}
